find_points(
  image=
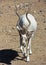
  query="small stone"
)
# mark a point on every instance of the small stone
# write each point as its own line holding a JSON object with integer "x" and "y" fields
{"x": 13, "y": 28}
{"x": 44, "y": 21}
{"x": 1, "y": 12}
{"x": 38, "y": 0}
{"x": 34, "y": 11}
{"x": 45, "y": 28}
{"x": 9, "y": 6}
{"x": 43, "y": 15}
{"x": 9, "y": 31}
{"x": 40, "y": 10}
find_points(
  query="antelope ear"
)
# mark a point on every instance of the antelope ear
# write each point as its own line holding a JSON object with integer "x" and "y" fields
{"x": 17, "y": 11}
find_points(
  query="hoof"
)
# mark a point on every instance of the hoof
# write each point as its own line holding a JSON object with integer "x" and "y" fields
{"x": 25, "y": 55}
{"x": 28, "y": 59}
{"x": 30, "y": 52}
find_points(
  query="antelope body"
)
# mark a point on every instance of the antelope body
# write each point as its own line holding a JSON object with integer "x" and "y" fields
{"x": 26, "y": 27}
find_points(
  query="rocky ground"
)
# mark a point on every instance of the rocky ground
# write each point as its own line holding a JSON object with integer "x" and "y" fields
{"x": 9, "y": 38}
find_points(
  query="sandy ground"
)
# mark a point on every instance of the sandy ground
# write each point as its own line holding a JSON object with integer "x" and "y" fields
{"x": 9, "y": 38}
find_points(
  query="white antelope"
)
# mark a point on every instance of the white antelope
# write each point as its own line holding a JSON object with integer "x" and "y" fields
{"x": 26, "y": 27}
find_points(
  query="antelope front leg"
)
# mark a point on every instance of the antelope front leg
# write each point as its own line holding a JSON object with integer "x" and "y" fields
{"x": 28, "y": 59}
{"x": 30, "y": 51}
{"x": 21, "y": 48}
{"x": 24, "y": 44}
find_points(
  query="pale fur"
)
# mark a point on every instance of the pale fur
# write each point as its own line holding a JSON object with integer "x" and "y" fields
{"x": 25, "y": 39}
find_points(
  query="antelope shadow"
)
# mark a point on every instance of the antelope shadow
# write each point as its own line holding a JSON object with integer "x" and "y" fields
{"x": 7, "y": 55}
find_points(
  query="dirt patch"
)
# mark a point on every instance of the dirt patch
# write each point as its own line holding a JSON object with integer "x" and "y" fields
{"x": 9, "y": 37}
